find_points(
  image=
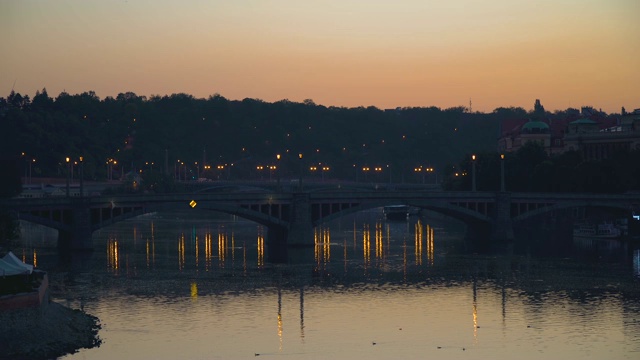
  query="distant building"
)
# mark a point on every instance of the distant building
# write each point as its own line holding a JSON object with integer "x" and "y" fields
{"x": 516, "y": 133}
{"x": 595, "y": 136}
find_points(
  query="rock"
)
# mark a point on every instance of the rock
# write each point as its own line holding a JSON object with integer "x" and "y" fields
{"x": 49, "y": 331}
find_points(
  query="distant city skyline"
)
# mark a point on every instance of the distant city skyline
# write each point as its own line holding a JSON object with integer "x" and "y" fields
{"x": 567, "y": 53}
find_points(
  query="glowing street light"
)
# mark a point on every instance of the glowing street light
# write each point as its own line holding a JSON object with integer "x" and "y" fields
{"x": 68, "y": 173}
{"x": 278, "y": 172}
{"x": 272, "y": 168}
{"x": 432, "y": 170}
{"x": 324, "y": 169}
{"x": 473, "y": 172}
{"x": 365, "y": 170}
{"x": 301, "y": 167}
{"x": 110, "y": 163}
{"x": 81, "y": 176}
{"x": 419, "y": 170}
{"x": 259, "y": 169}
{"x": 502, "y": 185}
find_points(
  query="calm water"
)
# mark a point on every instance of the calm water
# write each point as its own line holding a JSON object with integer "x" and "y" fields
{"x": 201, "y": 288}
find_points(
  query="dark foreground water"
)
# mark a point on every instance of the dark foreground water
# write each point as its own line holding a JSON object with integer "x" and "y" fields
{"x": 175, "y": 286}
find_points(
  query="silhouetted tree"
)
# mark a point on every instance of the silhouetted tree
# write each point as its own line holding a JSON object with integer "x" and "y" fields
{"x": 241, "y": 135}
{"x": 10, "y": 186}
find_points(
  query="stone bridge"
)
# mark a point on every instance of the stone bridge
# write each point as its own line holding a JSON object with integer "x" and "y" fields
{"x": 291, "y": 216}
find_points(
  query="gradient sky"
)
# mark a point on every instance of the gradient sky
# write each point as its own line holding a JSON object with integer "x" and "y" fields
{"x": 567, "y": 53}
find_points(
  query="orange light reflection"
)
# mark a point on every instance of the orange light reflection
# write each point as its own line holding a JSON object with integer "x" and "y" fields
{"x": 260, "y": 248}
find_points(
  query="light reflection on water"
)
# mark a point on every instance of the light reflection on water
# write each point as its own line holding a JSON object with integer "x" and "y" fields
{"x": 166, "y": 288}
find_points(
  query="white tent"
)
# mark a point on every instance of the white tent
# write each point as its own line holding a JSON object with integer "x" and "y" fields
{"x": 11, "y": 265}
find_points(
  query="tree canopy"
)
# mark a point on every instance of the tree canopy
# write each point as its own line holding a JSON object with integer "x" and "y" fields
{"x": 183, "y": 137}
{"x": 135, "y": 131}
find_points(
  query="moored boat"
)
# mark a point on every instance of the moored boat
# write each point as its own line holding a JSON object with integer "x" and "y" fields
{"x": 396, "y": 212}
{"x": 604, "y": 230}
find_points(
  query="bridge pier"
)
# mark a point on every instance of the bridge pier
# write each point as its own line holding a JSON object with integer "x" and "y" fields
{"x": 277, "y": 244}
{"x": 300, "y": 227}
{"x": 79, "y": 233}
{"x": 293, "y": 243}
{"x": 479, "y": 235}
{"x": 502, "y": 227}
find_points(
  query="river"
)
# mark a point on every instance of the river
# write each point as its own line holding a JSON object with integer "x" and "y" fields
{"x": 179, "y": 286}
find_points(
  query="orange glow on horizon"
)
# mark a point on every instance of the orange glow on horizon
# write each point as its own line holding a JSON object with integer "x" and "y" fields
{"x": 387, "y": 54}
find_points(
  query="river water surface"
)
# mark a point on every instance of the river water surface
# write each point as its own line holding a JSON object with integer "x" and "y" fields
{"x": 179, "y": 286}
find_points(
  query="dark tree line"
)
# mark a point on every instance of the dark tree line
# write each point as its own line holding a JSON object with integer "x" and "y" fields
{"x": 10, "y": 186}
{"x": 139, "y": 133}
{"x": 530, "y": 169}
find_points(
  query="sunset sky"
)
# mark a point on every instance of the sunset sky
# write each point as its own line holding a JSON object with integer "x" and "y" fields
{"x": 567, "y": 53}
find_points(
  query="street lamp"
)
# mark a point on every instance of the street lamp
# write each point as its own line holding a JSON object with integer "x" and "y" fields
{"x": 431, "y": 170}
{"x": 81, "y": 176}
{"x": 272, "y": 168}
{"x": 31, "y": 162}
{"x": 502, "y": 186}
{"x": 24, "y": 156}
{"x": 68, "y": 173}
{"x": 278, "y": 171}
{"x": 324, "y": 168}
{"x": 300, "y": 180}
{"x": 473, "y": 172}
{"x": 259, "y": 169}
{"x": 419, "y": 170}
{"x": 365, "y": 170}
{"x": 378, "y": 170}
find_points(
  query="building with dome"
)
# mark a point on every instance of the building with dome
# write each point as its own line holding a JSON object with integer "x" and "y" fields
{"x": 520, "y": 132}
{"x": 596, "y": 137}
{"x": 597, "y": 142}
{"x": 536, "y": 131}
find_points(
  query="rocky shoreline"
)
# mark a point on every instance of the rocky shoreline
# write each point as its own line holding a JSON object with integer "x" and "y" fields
{"x": 46, "y": 332}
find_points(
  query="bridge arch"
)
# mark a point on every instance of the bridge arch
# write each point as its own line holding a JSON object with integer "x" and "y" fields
{"x": 568, "y": 205}
{"x": 445, "y": 208}
{"x": 100, "y": 217}
{"x": 47, "y": 222}
{"x": 245, "y": 213}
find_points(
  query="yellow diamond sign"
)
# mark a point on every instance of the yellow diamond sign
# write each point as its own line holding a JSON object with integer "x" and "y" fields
{"x": 193, "y": 203}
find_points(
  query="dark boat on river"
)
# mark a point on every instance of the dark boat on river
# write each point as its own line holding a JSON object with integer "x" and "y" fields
{"x": 396, "y": 212}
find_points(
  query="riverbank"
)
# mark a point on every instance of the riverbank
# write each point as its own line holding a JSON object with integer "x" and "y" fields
{"x": 46, "y": 332}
